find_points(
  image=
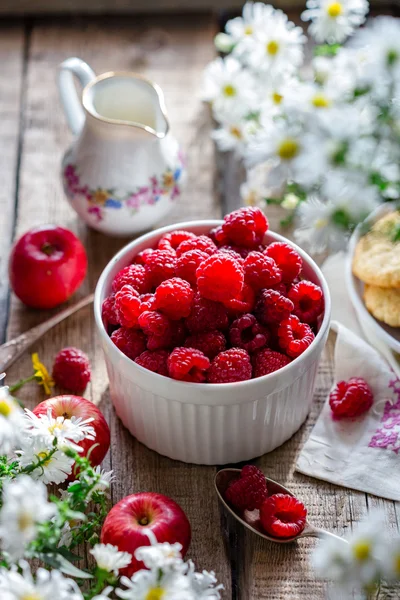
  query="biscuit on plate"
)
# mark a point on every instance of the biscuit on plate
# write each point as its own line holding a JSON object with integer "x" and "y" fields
{"x": 383, "y": 304}
{"x": 376, "y": 259}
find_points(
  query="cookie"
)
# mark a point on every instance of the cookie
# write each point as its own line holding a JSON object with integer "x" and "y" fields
{"x": 383, "y": 304}
{"x": 376, "y": 258}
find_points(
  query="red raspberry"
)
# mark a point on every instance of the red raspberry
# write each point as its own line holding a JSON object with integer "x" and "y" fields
{"x": 231, "y": 365}
{"x": 127, "y": 306}
{"x": 286, "y": 258}
{"x": 260, "y": 271}
{"x": 220, "y": 278}
{"x": 267, "y": 361}
{"x": 147, "y": 302}
{"x": 160, "y": 266}
{"x": 283, "y": 516}
{"x": 294, "y": 336}
{"x": 351, "y": 398}
{"x": 307, "y": 299}
{"x": 218, "y": 236}
{"x": 154, "y": 361}
{"x": 153, "y": 322}
{"x": 71, "y": 370}
{"x": 131, "y": 342}
{"x": 201, "y": 242}
{"x": 187, "y": 264}
{"x": 232, "y": 252}
{"x": 206, "y": 315}
{"x": 134, "y": 275}
{"x": 242, "y": 252}
{"x": 108, "y": 311}
{"x": 272, "y": 307}
{"x": 188, "y": 364}
{"x": 174, "y": 298}
{"x": 143, "y": 257}
{"x": 210, "y": 343}
{"x": 173, "y": 337}
{"x": 243, "y": 304}
{"x": 245, "y": 227}
{"x": 246, "y": 332}
{"x": 248, "y": 492}
{"x": 170, "y": 241}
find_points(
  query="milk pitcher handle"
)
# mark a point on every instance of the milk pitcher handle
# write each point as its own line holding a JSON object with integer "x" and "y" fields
{"x": 70, "y": 100}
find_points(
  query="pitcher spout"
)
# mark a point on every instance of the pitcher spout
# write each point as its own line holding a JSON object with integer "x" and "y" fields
{"x": 122, "y": 98}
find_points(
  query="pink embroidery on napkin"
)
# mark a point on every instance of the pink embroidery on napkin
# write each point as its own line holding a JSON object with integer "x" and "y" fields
{"x": 388, "y": 434}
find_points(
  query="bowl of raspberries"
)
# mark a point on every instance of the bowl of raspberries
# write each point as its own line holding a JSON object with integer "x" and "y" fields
{"x": 212, "y": 333}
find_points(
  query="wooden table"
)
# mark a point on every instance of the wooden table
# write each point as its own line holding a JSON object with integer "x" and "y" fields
{"x": 33, "y": 136}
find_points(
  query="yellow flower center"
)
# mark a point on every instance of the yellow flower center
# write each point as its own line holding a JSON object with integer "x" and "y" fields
{"x": 362, "y": 550}
{"x": 248, "y": 30}
{"x": 25, "y": 520}
{"x": 277, "y": 98}
{"x": 397, "y": 564}
{"x": 5, "y": 408}
{"x": 334, "y": 9}
{"x": 321, "y": 223}
{"x": 235, "y": 132}
{"x": 229, "y": 90}
{"x": 288, "y": 149}
{"x": 43, "y": 457}
{"x": 272, "y": 47}
{"x": 320, "y": 101}
{"x": 31, "y": 597}
{"x": 155, "y": 594}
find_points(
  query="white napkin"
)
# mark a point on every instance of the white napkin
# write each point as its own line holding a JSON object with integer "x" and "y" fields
{"x": 362, "y": 453}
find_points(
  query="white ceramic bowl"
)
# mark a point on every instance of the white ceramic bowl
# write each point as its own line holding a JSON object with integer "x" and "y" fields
{"x": 209, "y": 423}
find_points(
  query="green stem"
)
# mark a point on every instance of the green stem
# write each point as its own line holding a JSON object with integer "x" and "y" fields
{"x": 20, "y": 383}
{"x": 40, "y": 463}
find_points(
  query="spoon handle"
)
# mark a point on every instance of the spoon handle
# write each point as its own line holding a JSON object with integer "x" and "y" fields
{"x": 11, "y": 350}
{"x": 318, "y": 532}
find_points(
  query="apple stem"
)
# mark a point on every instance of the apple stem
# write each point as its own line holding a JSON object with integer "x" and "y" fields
{"x": 144, "y": 521}
{"x": 47, "y": 248}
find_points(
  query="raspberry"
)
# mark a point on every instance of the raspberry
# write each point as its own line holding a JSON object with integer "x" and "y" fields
{"x": 127, "y": 306}
{"x": 130, "y": 341}
{"x": 187, "y": 264}
{"x": 245, "y": 227}
{"x": 174, "y": 298}
{"x": 142, "y": 257}
{"x": 153, "y": 322}
{"x": 160, "y": 266}
{"x": 71, "y": 370}
{"x": 260, "y": 271}
{"x": 242, "y": 252}
{"x": 243, "y": 304}
{"x": 231, "y": 251}
{"x": 272, "y": 307}
{"x": 188, "y": 364}
{"x": 231, "y": 365}
{"x": 220, "y": 278}
{"x": 161, "y": 332}
{"x": 350, "y": 398}
{"x": 206, "y": 315}
{"x": 202, "y": 243}
{"x": 286, "y": 258}
{"x": 170, "y": 241}
{"x": 108, "y": 311}
{"x": 210, "y": 343}
{"x": 218, "y": 236}
{"x": 248, "y": 492}
{"x": 283, "y": 516}
{"x": 267, "y": 361}
{"x": 154, "y": 361}
{"x": 294, "y": 336}
{"x": 134, "y": 275}
{"x": 307, "y": 299}
{"x": 246, "y": 332}
{"x": 147, "y": 302}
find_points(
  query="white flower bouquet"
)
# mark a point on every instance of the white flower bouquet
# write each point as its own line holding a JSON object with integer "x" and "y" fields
{"x": 323, "y": 140}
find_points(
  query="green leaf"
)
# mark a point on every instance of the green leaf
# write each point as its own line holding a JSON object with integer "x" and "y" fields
{"x": 327, "y": 50}
{"x": 63, "y": 550}
{"x": 57, "y": 561}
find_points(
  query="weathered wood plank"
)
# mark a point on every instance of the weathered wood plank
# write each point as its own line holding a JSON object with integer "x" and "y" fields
{"x": 12, "y": 39}
{"x": 172, "y": 51}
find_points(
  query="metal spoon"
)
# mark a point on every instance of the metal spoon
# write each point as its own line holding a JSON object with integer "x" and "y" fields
{"x": 251, "y": 519}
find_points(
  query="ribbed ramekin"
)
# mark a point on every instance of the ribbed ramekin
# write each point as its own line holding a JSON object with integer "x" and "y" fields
{"x": 209, "y": 423}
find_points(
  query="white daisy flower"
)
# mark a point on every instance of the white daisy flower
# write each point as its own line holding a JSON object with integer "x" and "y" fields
{"x": 104, "y": 594}
{"x": 66, "y": 535}
{"x": 254, "y": 190}
{"x": 223, "y": 42}
{"x": 149, "y": 584}
{"x": 351, "y": 193}
{"x": 64, "y": 430}
{"x": 316, "y": 230}
{"x": 160, "y": 556}
{"x": 204, "y": 584}
{"x": 334, "y": 20}
{"x": 380, "y": 40}
{"x": 24, "y": 506}
{"x": 254, "y": 17}
{"x": 12, "y": 423}
{"x": 275, "y": 48}
{"x": 47, "y": 585}
{"x": 273, "y": 94}
{"x": 54, "y": 467}
{"x": 234, "y": 134}
{"x": 388, "y": 556}
{"x": 102, "y": 485}
{"x": 228, "y": 87}
{"x": 109, "y": 558}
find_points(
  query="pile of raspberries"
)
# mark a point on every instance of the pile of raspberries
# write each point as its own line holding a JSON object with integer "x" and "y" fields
{"x": 216, "y": 308}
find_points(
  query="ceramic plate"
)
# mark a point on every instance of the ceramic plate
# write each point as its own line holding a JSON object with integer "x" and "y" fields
{"x": 389, "y": 335}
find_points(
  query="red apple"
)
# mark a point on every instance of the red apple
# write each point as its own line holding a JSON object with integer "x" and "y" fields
{"x": 75, "y": 406}
{"x": 127, "y": 521}
{"x": 46, "y": 266}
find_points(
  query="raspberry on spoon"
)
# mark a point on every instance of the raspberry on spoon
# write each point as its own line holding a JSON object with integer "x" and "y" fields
{"x": 283, "y": 516}
{"x": 248, "y": 492}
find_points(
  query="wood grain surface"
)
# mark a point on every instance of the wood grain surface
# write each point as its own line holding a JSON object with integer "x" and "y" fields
{"x": 172, "y": 51}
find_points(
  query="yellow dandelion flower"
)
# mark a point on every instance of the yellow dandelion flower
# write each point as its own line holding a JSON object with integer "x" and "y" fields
{"x": 41, "y": 374}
